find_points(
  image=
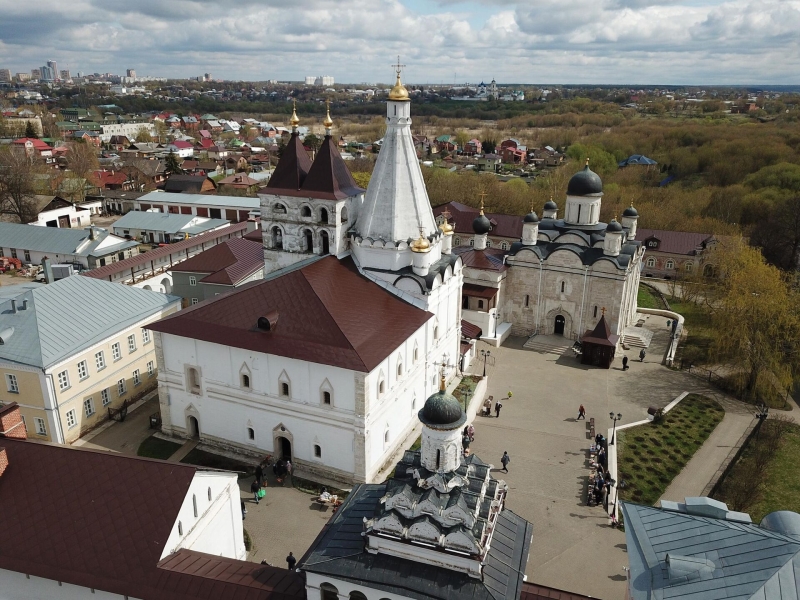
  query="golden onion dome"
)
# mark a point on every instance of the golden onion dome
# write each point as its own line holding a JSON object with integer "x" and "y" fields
{"x": 399, "y": 92}
{"x": 328, "y": 122}
{"x": 446, "y": 227}
{"x": 295, "y": 121}
{"x": 421, "y": 244}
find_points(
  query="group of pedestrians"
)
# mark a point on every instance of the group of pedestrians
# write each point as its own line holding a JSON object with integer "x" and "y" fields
{"x": 281, "y": 469}
{"x": 487, "y": 407}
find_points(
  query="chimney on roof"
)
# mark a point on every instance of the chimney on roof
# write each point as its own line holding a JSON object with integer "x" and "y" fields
{"x": 11, "y": 424}
{"x": 251, "y": 225}
{"x": 48, "y": 270}
{"x": 14, "y": 306}
{"x": 268, "y": 321}
{"x": 24, "y": 304}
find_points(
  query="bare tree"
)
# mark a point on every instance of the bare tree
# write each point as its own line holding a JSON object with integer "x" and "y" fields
{"x": 17, "y": 184}
{"x": 81, "y": 162}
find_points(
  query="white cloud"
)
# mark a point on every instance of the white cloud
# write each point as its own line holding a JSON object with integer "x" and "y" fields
{"x": 593, "y": 41}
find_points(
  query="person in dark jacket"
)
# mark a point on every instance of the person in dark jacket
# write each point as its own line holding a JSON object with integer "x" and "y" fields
{"x": 259, "y": 474}
{"x": 291, "y": 561}
{"x": 254, "y": 487}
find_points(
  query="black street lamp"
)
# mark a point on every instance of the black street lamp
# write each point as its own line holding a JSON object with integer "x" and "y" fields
{"x": 485, "y": 354}
{"x": 467, "y": 395}
{"x": 761, "y": 414}
{"x": 615, "y": 417}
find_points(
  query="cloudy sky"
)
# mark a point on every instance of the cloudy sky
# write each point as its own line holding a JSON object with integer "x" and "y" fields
{"x": 531, "y": 41}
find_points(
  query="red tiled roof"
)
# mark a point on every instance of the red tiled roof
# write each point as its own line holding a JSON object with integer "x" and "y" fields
{"x": 468, "y": 330}
{"x": 674, "y": 242}
{"x": 509, "y": 226}
{"x": 490, "y": 259}
{"x": 328, "y": 313}
{"x": 37, "y": 144}
{"x": 329, "y": 178}
{"x": 107, "y": 271}
{"x": 479, "y": 291}
{"x": 180, "y": 144}
{"x": 531, "y": 591}
{"x": 291, "y": 171}
{"x": 104, "y": 178}
{"x": 227, "y": 263}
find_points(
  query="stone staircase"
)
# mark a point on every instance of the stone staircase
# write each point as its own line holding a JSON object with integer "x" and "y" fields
{"x": 551, "y": 344}
{"x": 638, "y": 337}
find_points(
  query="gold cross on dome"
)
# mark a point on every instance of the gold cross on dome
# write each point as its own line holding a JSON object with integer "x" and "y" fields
{"x": 603, "y": 310}
{"x": 483, "y": 198}
{"x": 398, "y": 67}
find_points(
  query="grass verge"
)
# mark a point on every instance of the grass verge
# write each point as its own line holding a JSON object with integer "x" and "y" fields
{"x": 650, "y": 456}
{"x": 696, "y": 347}
{"x": 647, "y": 298}
{"x": 466, "y": 389}
{"x": 154, "y": 447}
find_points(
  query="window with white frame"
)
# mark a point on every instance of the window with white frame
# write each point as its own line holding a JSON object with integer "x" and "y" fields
{"x": 137, "y": 377}
{"x": 670, "y": 264}
{"x": 504, "y": 246}
{"x": 88, "y": 407}
{"x": 651, "y": 262}
{"x": 13, "y": 253}
{"x": 131, "y": 343}
{"x": 116, "y": 351}
{"x": 27, "y": 256}
{"x": 63, "y": 380}
{"x": 11, "y": 383}
{"x": 71, "y": 420}
{"x": 41, "y": 428}
{"x": 151, "y": 368}
{"x": 192, "y": 280}
{"x": 122, "y": 387}
{"x": 105, "y": 397}
{"x": 83, "y": 370}
{"x": 145, "y": 336}
{"x": 689, "y": 266}
{"x": 194, "y": 300}
{"x": 99, "y": 360}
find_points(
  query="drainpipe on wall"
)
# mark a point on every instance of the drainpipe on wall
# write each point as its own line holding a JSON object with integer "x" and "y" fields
{"x": 539, "y": 299}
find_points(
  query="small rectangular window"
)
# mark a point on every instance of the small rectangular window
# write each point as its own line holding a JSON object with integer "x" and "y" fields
{"x": 88, "y": 407}
{"x": 284, "y": 389}
{"x": 100, "y": 360}
{"x": 13, "y": 253}
{"x": 122, "y": 388}
{"x": 145, "y": 336}
{"x": 63, "y": 380}
{"x": 137, "y": 377}
{"x": 27, "y": 256}
{"x": 83, "y": 370}
{"x": 192, "y": 280}
{"x": 194, "y": 300}
{"x": 132, "y": 343}
{"x": 41, "y": 428}
{"x": 116, "y": 351}
{"x": 105, "y": 397}
{"x": 151, "y": 369}
{"x": 71, "y": 420}
{"x": 11, "y": 383}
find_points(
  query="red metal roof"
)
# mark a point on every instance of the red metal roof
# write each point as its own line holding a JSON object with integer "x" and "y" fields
{"x": 327, "y": 312}
{"x": 468, "y": 330}
{"x": 478, "y": 291}
{"x": 227, "y": 263}
{"x": 531, "y": 591}
{"x": 108, "y": 271}
{"x": 601, "y": 335}
{"x": 490, "y": 259}
{"x": 291, "y": 171}
{"x": 509, "y": 226}
{"x": 329, "y": 177}
{"x": 674, "y": 242}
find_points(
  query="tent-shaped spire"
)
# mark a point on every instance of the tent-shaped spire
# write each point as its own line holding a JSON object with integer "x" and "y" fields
{"x": 601, "y": 334}
{"x": 292, "y": 169}
{"x": 329, "y": 177}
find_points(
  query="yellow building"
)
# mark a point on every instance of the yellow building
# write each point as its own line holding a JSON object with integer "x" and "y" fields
{"x": 71, "y": 350}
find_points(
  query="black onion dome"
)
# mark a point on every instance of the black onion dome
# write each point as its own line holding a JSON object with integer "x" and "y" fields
{"x": 550, "y": 205}
{"x": 614, "y": 227}
{"x": 442, "y": 411}
{"x": 630, "y": 212}
{"x": 481, "y": 225}
{"x": 585, "y": 183}
{"x": 531, "y": 217}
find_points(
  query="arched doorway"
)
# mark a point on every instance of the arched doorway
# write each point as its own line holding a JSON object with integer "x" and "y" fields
{"x": 194, "y": 427}
{"x": 559, "y": 328}
{"x": 285, "y": 448}
{"x": 309, "y": 237}
{"x": 277, "y": 238}
{"x": 167, "y": 285}
{"x": 323, "y": 215}
{"x": 326, "y": 247}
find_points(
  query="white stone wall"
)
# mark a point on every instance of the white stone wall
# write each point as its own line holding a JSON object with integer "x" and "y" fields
{"x": 18, "y": 586}
{"x": 343, "y": 588}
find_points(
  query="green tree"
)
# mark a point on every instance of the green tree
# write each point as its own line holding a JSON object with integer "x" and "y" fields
{"x": 488, "y": 146}
{"x": 143, "y": 135}
{"x": 461, "y": 138}
{"x": 312, "y": 142}
{"x": 30, "y": 130}
{"x": 17, "y": 185}
{"x": 172, "y": 167}
{"x": 779, "y": 234}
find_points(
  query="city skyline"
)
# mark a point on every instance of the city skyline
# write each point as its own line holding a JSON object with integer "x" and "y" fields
{"x": 670, "y": 42}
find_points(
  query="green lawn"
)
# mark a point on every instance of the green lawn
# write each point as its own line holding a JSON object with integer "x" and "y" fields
{"x": 154, "y": 447}
{"x": 216, "y": 461}
{"x": 647, "y": 298}
{"x": 650, "y": 456}
{"x": 696, "y": 346}
{"x": 781, "y": 489}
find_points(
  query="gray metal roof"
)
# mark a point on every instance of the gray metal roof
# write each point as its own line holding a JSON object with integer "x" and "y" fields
{"x": 242, "y": 202}
{"x": 683, "y": 555}
{"x": 59, "y": 241}
{"x": 166, "y": 222}
{"x": 70, "y": 315}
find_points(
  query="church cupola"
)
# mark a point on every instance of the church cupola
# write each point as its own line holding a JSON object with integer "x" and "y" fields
{"x": 421, "y": 249}
{"x": 530, "y": 228}
{"x": 328, "y": 122}
{"x": 481, "y": 226}
{"x": 612, "y": 245}
{"x": 442, "y": 419}
{"x": 294, "y": 121}
{"x": 630, "y": 217}
{"x": 447, "y": 233}
{"x": 550, "y": 210}
{"x": 584, "y": 194}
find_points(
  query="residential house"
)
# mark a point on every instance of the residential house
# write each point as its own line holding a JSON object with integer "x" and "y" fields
{"x": 89, "y": 137}
{"x": 182, "y": 148}
{"x": 190, "y": 123}
{"x": 74, "y": 348}
{"x": 490, "y": 163}
{"x": 675, "y": 254}
{"x": 548, "y": 156}
{"x": 446, "y": 143}
{"x": 119, "y": 142}
{"x": 233, "y": 208}
{"x": 189, "y": 184}
{"x": 239, "y": 184}
{"x": 113, "y": 180}
{"x": 89, "y": 248}
{"x": 122, "y": 527}
{"x": 145, "y": 173}
{"x": 504, "y": 229}
{"x": 218, "y": 270}
{"x": 163, "y": 228}
{"x": 513, "y": 156}
{"x": 217, "y": 152}
{"x": 473, "y": 147}
{"x": 33, "y": 147}
{"x": 143, "y": 149}
{"x": 58, "y": 212}
{"x": 512, "y": 143}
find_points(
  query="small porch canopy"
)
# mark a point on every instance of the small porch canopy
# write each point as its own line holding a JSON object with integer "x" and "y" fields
{"x": 599, "y": 345}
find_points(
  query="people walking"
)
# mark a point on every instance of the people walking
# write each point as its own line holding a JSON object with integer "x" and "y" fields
{"x": 288, "y": 468}
{"x": 505, "y": 460}
{"x": 259, "y": 473}
{"x": 471, "y": 432}
{"x": 581, "y": 413}
{"x": 487, "y": 407}
{"x": 642, "y": 354}
{"x": 497, "y": 408}
{"x": 255, "y": 487}
{"x": 624, "y": 363}
{"x": 291, "y": 561}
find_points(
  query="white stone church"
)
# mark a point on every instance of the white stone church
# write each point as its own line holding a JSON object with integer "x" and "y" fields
{"x": 329, "y": 358}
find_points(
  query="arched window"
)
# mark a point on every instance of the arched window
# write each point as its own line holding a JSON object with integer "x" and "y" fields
{"x": 251, "y": 433}
{"x": 317, "y": 451}
{"x": 285, "y": 389}
{"x": 595, "y": 311}
{"x": 180, "y": 528}
{"x": 399, "y": 368}
{"x": 279, "y": 208}
{"x": 472, "y": 242}
{"x": 305, "y": 211}
{"x": 344, "y": 214}
{"x": 709, "y": 271}
{"x": 504, "y": 246}
{"x": 457, "y": 241}
{"x": 651, "y": 262}
{"x": 357, "y": 596}
{"x": 245, "y": 380}
{"x": 416, "y": 352}
{"x": 689, "y": 267}
{"x": 193, "y": 377}
{"x": 480, "y": 303}
{"x": 563, "y": 286}
{"x": 381, "y": 385}
{"x": 438, "y": 458}
{"x": 194, "y": 505}
{"x": 209, "y": 493}
{"x": 326, "y": 398}
{"x": 328, "y": 592}
{"x": 277, "y": 238}
{"x": 488, "y": 243}
{"x": 323, "y": 215}
{"x": 386, "y": 436}
{"x": 436, "y": 332}
{"x": 670, "y": 264}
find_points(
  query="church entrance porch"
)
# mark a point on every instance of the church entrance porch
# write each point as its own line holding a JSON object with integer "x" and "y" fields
{"x": 284, "y": 448}
{"x": 559, "y": 325}
{"x": 194, "y": 427}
